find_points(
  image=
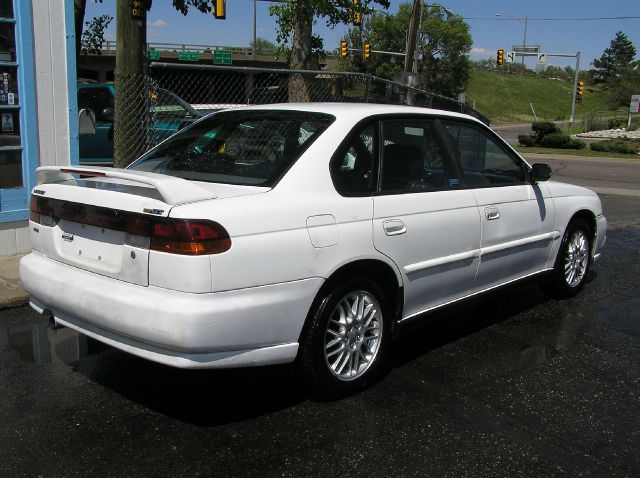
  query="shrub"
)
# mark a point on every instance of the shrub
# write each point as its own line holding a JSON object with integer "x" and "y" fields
{"x": 526, "y": 140}
{"x": 616, "y": 123}
{"x": 542, "y": 129}
{"x": 617, "y": 146}
{"x": 561, "y": 140}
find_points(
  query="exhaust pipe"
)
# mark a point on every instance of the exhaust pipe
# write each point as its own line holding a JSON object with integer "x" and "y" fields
{"x": 53, "y": 325}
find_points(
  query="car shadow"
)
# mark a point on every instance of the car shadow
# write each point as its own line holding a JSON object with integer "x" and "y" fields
{"x": 439, "y": 328}
{"x": 217, "y": 397}
{"x": 200, "y": 397}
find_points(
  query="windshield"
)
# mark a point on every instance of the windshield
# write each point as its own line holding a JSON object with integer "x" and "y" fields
{"x": 251, "y": 147}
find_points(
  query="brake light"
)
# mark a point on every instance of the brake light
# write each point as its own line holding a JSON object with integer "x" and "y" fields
{"x": 34, "y": 212}
{"x": 189, "y": 237}
{"x": 41, "y": 212}
{"x": 175, "y": 236}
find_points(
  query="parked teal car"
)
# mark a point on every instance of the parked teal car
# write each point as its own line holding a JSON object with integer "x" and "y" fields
{"x": 170, "y": 113}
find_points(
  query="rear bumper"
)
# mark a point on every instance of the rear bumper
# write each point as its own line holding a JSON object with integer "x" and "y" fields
{"x": 244, "y": 327}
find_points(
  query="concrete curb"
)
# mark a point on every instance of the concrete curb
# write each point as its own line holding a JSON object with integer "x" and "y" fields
{"x": 11, "y": 292}
{"x": 14, "y": 302}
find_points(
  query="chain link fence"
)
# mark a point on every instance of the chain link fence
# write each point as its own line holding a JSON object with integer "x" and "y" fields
{"x": 171, "y": 96}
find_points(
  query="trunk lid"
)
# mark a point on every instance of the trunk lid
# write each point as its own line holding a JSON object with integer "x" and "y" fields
{"x": 93, "y": 217}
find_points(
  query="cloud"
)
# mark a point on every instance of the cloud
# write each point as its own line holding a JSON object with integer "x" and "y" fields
{"x": 158, "y": 24}
{"x": 481, "y": 51}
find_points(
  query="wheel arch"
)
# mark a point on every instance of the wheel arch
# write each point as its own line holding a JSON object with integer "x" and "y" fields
{"x": 590, "y": 218}
{"x": 375, "y": 269}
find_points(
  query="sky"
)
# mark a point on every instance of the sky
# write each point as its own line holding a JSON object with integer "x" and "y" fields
{"x": 562, "y": 34}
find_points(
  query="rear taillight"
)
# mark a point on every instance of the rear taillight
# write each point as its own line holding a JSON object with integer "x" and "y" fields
{"x": 175, "y": 236}
{"x": 41, "y": 211}
{"x": 190, "y": 237}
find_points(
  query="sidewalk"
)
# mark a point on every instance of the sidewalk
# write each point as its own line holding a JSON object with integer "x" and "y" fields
{"x": 11, "y": 292}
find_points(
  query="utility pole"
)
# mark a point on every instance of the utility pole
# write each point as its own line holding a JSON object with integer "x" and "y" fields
{"x": 254, "y": 31}
{"x": 131, "y": 33}
{"x": 413, "y": 33}
{"x": 575, "y": 88}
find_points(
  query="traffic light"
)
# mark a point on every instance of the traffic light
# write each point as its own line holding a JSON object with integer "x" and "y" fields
{"x": 366, "y": 50}
{"x": 580, "y": 90}
{"x": 219, "y": 9}
{"x": 356, "y": 13}
{"x": 344, "y": 50}
{"x": 500, "y": 57}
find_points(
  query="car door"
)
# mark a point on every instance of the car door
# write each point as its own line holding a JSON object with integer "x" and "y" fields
{"x": 97, "y": 147}
{"x": 423, "y": 219}
{"x": 517, "y": 217}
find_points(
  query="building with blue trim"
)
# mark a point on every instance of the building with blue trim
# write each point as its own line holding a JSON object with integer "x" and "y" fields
{"x": 38, "y": 110}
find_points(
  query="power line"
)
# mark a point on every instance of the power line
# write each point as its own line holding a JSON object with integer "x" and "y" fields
{"x": 555, "y": 19}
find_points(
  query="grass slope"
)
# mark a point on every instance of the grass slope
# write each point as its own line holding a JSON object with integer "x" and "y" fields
{"x": 505, "y": 98}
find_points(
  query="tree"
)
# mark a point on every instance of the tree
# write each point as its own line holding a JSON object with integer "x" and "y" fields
{"x": 628, "y": 85}
{"x": 93, "y": 34}
{"x": 615, "y": 61}
{"x": 443, "y": 45}
{"x": 295, "y": 20}
{"x": 131, "y": 111}
{"x": 264, "y": 46}
{"x": 79, "y": 8}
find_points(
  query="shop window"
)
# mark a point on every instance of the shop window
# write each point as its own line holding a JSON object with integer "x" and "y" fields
{"x": 10, "y": 139}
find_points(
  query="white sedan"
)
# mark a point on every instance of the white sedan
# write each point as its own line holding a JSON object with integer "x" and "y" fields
{"x": 308, "y": 232}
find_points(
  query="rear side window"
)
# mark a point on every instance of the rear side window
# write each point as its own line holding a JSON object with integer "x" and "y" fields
{"x": 353, "y": 167}
{"x": 237, "y": 147}
{"x": 484, "y": 162}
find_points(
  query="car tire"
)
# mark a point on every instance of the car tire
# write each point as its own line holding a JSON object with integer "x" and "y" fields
{"x": 347, "y": 340}
{"x": 572, "y": 263}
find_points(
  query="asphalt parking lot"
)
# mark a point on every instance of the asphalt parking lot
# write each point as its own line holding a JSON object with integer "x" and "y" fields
{"x": 514, "y": 385}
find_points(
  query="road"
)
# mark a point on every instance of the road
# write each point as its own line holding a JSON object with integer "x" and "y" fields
{"x": 516, "y": 384}
{"x": 619, "y": 176}
{"x": 510, "y": 132}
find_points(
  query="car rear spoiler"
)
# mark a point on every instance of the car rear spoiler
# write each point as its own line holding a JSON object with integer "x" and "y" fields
{"x": 173, "y": 190}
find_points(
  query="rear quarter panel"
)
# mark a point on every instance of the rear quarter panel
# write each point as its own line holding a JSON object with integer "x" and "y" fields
{"x": 270, "y": 239}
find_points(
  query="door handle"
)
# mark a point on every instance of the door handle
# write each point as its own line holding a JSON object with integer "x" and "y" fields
{"x": 394, "y": 227}
{"x": 491, "y": 213}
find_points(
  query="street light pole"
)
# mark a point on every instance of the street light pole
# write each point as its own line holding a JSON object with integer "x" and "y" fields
{"x": 524, "y": 41}
{"x": 254, "y": 31}
{"x": 524, "y": 20}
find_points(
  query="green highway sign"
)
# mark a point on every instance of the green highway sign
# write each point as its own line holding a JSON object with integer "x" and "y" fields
{"x": 153, "y": 54}
{"x": 188, "y": 56}
{"x": 222, "y": 57}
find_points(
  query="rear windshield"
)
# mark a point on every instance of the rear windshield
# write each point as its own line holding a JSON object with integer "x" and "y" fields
{"x": 237, "y": 147}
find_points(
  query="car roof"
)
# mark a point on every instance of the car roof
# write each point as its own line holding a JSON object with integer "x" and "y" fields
{"x": 356, "y": 111}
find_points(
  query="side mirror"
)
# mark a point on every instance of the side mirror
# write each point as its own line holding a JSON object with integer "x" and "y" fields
{"x": 107, "y": 115}
{"x": 540, "y": 172}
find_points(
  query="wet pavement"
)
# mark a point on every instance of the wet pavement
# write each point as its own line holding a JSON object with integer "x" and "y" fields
{"x": 514, "y": 385}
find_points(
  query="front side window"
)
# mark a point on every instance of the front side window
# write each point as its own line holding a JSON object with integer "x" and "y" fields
{"x": 413, "y": 159}
{"x": 252, "y": 147}
{"x": 484, "y": 162}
